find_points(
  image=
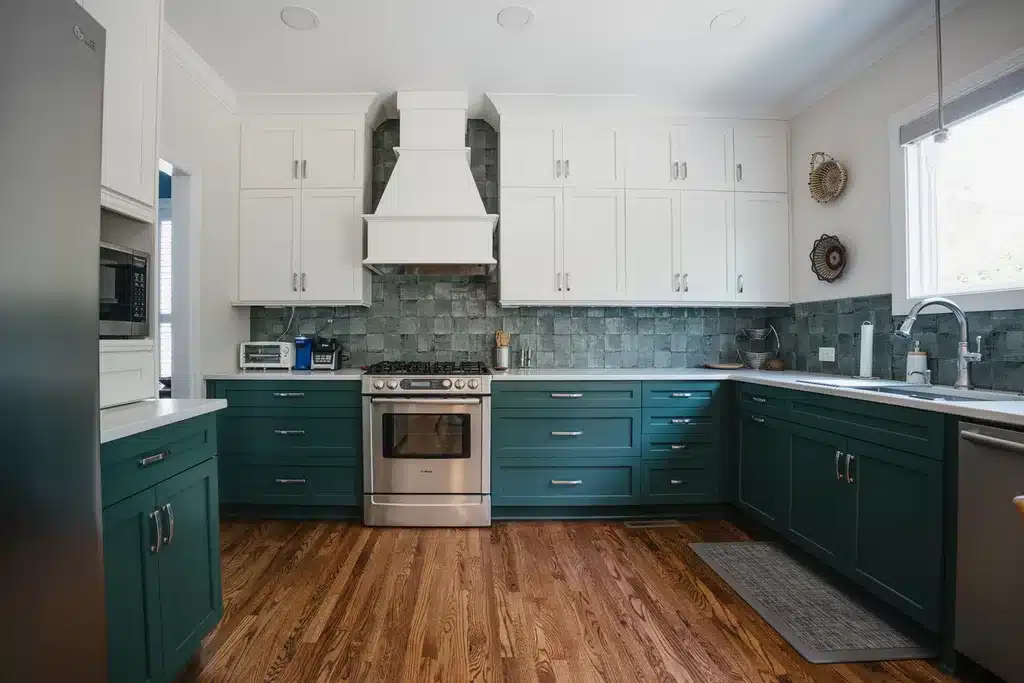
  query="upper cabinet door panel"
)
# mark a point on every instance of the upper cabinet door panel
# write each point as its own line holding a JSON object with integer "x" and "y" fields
{"x": 649, "y": 160}
{"x": 268, "y": 230}
{"x": 762, "y": 247}
{"x": 272, "y": 153}
{"x": 762, "y": 156}
{"x": 594, "y": 244}
{"x": 707, "y": 228}
{"x": 332, "y": 245}
{"x": 704, "y": 152}
{"x": 531, "y": 153}
{"x": 531, "y": 244}
{"x": 331, "y": 152}
{"x": 652, "y": 245}
{"x": 590, "y": 156}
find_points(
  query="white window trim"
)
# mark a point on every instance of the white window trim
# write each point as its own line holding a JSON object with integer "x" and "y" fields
{"x": 903, "y": 242}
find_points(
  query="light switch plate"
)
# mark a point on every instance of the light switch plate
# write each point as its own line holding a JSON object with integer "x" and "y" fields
{"x": 827, "y": 354}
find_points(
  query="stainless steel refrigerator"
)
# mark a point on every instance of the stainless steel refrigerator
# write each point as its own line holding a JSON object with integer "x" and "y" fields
{"x": 51, "y": 565}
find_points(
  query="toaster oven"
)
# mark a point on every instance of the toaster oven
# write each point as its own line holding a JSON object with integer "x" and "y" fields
{"x": 266, "y": 355}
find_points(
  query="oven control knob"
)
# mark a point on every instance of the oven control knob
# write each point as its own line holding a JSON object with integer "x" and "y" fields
{"x": 474, "y": 383}
{"x": 378, "y": 384}
{"x": 392, "y": 384}
{"x": 459, "y": 383}
{"x": 446, "y": 384}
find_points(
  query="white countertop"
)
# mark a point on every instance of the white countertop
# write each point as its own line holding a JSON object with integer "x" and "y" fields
{"x": 343, "y": 374}
{"x": 123, "y": 421}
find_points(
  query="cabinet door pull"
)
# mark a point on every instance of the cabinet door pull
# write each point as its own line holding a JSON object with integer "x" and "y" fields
{"x": 303, "y": 280}
{"x": 681, "y": 420}
{"x": 676, "y": 482}
{"x": 169, "y": 511}
{"x": 158, "y": 532}
{"x": 685, "y": 171}
{"x": 566, "y": 433}
{"x": 758, "y": 399}
{"x": 290, "y": 481}
{"x": 758, "y": 420}
{"x": 739, "y": 283}
{"x": 675, "y": 170}
{"x": 566, "y": 482}
{"x": 558, "y": 168}
{"x": 849, "y": 475}
{"x": 678, "y": 447}
{"x": 682, "y": 395}
{"x": 295, "y": 282}
{"x": 686, "y": 282}
{"x": 739, "y": 173}
{"x": 290, "y": 432}
{"x": 568, "y": 282}
{"x": 289, "y": 394}
{"x": 295, "y": 169}
{"x": 153, "y": 459}
{"x": 838, "y": 455}
{"x": 566, "y": 395}
{"x": 305, "y": 168}
{"x": 558, "y": 280}
{"x": 566, "y": 168}
{"x": 677, "y": 285}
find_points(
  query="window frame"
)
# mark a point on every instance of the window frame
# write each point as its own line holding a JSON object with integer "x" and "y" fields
{"x": 913, "y": 250}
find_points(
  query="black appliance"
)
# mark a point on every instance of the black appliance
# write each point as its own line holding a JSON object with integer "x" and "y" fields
{"x": 124, "y": 308}
{"x": 326, "y": 354}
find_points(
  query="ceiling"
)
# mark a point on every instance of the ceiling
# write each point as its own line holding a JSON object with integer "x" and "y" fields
{"x": 784, "y": 51}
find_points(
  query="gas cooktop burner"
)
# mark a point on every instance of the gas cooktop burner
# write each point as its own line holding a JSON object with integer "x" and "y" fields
{"x": 427, "y": 368}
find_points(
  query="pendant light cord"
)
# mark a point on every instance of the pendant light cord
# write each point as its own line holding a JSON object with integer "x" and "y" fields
{"x": 942, "y": 133}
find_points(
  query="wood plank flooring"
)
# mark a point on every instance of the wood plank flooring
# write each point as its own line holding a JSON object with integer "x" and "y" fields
{"x": 325, "y": 602}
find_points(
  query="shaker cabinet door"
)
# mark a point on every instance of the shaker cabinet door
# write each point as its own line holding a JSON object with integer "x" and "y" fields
{"x": 652, "y": 245}
{"x": 331, "y": 247}
{"x": 268, "y": 237}
{"x": 707, "y": 228}
{"x": 531, "y": 245}
{"x": 704, "y": 152}
{"x": 272, "y": 153}
{"x": 762, "y": 156}
{"x": 332, "y": 152}
{"x": 531, "y": 154}
{"x": 594, "y": 244}
{"x": 590, "y": 156}
{"x": 649, "y": 159}
{"x": 762, "y": 248}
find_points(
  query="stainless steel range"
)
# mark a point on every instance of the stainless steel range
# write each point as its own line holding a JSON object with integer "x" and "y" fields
{"x": 427, "y": 444}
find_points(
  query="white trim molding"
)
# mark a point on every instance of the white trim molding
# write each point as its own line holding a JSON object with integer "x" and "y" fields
{"x": 178, "y": 49}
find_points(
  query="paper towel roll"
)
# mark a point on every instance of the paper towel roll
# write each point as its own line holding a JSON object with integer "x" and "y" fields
{"x": 867, "y": 340}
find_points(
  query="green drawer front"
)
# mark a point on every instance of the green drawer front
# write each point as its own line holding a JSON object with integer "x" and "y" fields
{"x": 338, "y": 436}
{"x": 698, "y": 396}
{"x": 765, "y": 400}
{"x": 678, "y": 422}
{"x": 135, "y": 463}
{"x": 283, "y": 394}
{"x": 529, "y": 394}
{"x": 562, "y": 482}
{"x": 672, "y": 483}
{"x": 338, "y": 484}
{"x": 604, "y": 433}
{"x": 681, "y": 451}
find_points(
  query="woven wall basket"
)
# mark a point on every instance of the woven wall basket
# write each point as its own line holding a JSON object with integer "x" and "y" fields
{"x": 827, "y": 178}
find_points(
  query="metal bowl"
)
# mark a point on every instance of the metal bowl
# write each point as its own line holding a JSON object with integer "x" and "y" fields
{"x": 757, "y": 332}
{"x": 755, "y": 359}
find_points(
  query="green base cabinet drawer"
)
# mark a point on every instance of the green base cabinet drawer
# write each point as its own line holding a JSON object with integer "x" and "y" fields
{"x": 678, "y": 422}
{"x": 567, "y": 433}
{"x": 288, "y": 394}
{"x": 324, "y": 436}
{"x": 541, "y": 481}
{"x": 681, "y": 451}
{"x": 137, "y": 462}
{"x": 765, "y": 400}
{"x": 695, "y": 396}
{"x": 529, "y": 394}
{"x": 335, "y": 484}
{"x": 669, "y": 482}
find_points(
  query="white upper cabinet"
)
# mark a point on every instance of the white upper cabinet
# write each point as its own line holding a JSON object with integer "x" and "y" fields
{"x": 703, "y": 151}
{"x": 531, "y": 244}
{"x": 590, "y": 156}
{"x": 130, "y": 104}
{"x": 531, "y": 153}
{"x": 331, "y": 246}
{"x": 309, "y": 152}
{"x": 649, "y": 158}
{"x": 652, "y": 245}
{"x": 594, "y": 244}
{"x": 707, "y": 228}
{"x": 762, "y": 247}
{"x": 762, "y": 156}
{"x": 269, "y": 229}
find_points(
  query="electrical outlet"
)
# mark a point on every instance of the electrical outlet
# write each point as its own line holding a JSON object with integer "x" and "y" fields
{"x": 827, "y": 354}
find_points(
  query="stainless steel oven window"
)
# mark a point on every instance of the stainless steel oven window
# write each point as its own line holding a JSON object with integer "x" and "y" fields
{"x": 426, "y": 436}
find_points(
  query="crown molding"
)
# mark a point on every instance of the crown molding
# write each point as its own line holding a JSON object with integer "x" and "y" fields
{"x": 178, "y": 49}
{"x": 863, "y": 59}
{"x": 367, "y": 104}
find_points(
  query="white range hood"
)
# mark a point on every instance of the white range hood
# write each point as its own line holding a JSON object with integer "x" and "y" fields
{"x": 431, "y": 213}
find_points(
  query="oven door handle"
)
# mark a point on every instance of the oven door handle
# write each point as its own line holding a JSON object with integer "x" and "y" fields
{"x": 431, "y": 401}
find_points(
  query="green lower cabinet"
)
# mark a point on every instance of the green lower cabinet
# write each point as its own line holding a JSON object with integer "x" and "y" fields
{"x": 331, "y": 483}
{"x": 674, "y": 483}
{"x": 896, "y": 549}
{"x": 565, "y": 481}
{"x": 134, "y": 643}
{"x": 819, "y": 517}
{"x": 763, "y": 454}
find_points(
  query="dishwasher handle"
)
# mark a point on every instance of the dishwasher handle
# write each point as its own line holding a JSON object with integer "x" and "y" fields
{"x": 993, "y": 442}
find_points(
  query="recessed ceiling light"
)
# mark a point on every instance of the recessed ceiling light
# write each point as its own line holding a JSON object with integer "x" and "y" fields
{"x": 515, "y": 17}
{"x": 300, "y": 18}
{"x": 727, "y": 20}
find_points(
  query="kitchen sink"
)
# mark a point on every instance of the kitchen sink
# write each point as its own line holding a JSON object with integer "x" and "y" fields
{"x": 920, "y": 391}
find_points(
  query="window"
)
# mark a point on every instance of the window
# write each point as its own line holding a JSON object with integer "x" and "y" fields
{"x": 964, "y": 199}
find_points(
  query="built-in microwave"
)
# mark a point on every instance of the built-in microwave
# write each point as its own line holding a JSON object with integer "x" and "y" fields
{"x": 124, "y": 278}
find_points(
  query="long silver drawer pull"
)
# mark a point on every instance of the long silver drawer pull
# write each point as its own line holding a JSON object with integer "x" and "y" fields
{"x": 677, "y": 395}
{"x": 993, "y": 441}
{"x": 155, "y": 546}
{"x": 676, "y": 482}
{"x": 678, "y": 446}
{"x": 169, "y": 511}
{"x": 566, "y": 395}
{"x": 681, "y": 420}
{"x": 758, "y": 399}
{"x": 566, "y": 482}
{"x": 838, "y": 455}
{"x": 289, "y": 394}
{"x": 759, "y": 420}
{"x": 290, "y": 481}
{"x": 290, "y": 432}
{"x": 566, "y": 433}
{"x": 153, "y": 459}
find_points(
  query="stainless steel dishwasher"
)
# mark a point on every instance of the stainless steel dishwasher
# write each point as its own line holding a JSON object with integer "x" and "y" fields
{"x": 990, "y": 549}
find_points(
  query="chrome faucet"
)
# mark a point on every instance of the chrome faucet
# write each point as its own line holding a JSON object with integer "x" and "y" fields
{"x": 963, "y": 355}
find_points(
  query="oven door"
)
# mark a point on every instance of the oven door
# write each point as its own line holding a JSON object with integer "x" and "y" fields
{"x": 426, "y": 446}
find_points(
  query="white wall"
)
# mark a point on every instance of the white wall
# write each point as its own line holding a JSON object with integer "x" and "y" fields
{"x": 200, "y": 132}
{"x": 852, "y": 124}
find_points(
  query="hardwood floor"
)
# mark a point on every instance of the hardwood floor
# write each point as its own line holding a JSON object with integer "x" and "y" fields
{"x": 322, "y": 602}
